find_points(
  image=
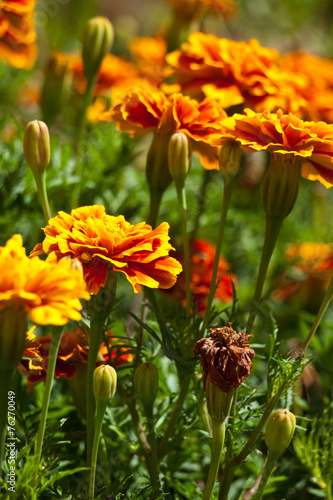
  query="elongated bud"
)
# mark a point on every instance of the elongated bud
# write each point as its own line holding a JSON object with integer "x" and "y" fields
{"x": 280, "y": 186}
{"x": 96, "y": 43}
{"x": 146, "y": 384}
{"x": 179, "y": 157}
{"x": 157, "y": 171}
{"x": 280, "y": 429}
{"x": 104, "y": 383}
{"x": 230, "y": 158}
{"x": 36, "y": 146}
{"x": 56, "y": 86}
{"x": 218, "y": 401}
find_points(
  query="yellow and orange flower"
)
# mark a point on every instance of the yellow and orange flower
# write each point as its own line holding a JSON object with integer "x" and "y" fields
{"x": 202, "y": 256}
{"x": 149, "y": 56}
{"x": 310, "y": 272}
{"x": 73, "y": 353}
{"x": 197, "y": 8}
{"x": 143, "y": 111}
{"x": 286, "y": 135}
{"x": 99, "y": 240}
{"x": 17, "y": 33}
{"x": 48, "y": 292}
{"x": 234, "y": 73}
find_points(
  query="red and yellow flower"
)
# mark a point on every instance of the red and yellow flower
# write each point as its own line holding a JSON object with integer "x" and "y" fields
{"x": 99, "y": 240}
{"x": 143, "y": 111}
{"x": 18, "y": 46}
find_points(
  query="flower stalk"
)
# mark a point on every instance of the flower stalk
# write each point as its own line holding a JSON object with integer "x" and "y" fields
{"x": 218, "y": 434}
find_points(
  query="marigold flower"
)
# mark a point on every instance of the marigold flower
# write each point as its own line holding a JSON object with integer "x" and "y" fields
{"x": 99, "y": 240}
{"x": 234, "y": 73}
{"x": 225, "y": 357}
{"x": 285, "y": 136}
{"x": 202, "y": 255}
{"x": 143, "y": 111}
{"x": 18, "y": 46}
{"x": 149, "y": 56}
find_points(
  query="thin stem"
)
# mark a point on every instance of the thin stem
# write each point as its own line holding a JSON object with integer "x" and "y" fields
{"x": 152, "y": 441}
{"x": 185, "y": 383}
{"x": 225, "y": 205}
{"x": 218, "y": 433}
{"x": 201, "y": 200}
{"x": 101, "y": 407}
{"x": 181, "y": 194}
{"x": 155, "y": 203}
{"x": 5, "y": 377}
{"x": 96, "y": 331}
{"x": 266, "y": 473}
{"x": 273, "y": 226}
{"x": 51, "y": 364}
{"x": 42, "y": 192}
{"x": 325, "y": 303}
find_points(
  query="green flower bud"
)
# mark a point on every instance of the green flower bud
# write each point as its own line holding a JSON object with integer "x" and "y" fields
{"x": 56, "y": 86}
{"x": 104, "y": 383}
{"x": 96, "y": 43}
{"x": 146, "y": 384}
{"x": 218, "y": 401}
{"x": 157, "y": 170}
{"x": 230, "y": 158}
{"x": 36, "y": 146}
{"x": 179, "y": 157}
{"x": 280, "y": 429}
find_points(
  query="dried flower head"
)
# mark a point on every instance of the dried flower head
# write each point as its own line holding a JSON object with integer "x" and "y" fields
{"x": 226, "y": 357}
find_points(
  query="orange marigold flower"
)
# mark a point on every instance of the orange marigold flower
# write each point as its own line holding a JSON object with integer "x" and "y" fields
{"x": 17, "y": 33}
{"x": 149, "y": 55}
{"x": 99, "y": 240}
{"x": 48, "y": 292}
{"x": 202, "y": 255}
{"x": 143, "y": 111}
{"x": 233, "y": 72}
{"x": 309, "y": 143}
{"x": 310, "y": 273}
{"x": 226, "y": 357}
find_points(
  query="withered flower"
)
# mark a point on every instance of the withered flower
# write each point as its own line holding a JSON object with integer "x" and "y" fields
{"x": 225, "y": 357}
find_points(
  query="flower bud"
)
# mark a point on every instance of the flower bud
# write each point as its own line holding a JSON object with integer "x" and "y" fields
{"x": 230, "y": 158}
{"x": 96, "y": 43}
{"x": 218, "y": 401}
{"x": 36, "y": 146}
{"x": 56, "y": 86}
{"x": 157, "y": 170}
{"x": 280, "y": 429}
{"x": 179, "y": 157}
{"x": 104, "y": 383}
{"x": 146, "y": 384}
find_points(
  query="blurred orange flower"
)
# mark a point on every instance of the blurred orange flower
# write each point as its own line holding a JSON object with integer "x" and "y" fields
{"x": 195, "y": 8}
{"x": 73, "y": 352}
{"x": 143, "y": 111}
{"x": 149, "y": 56}
{"x": 202, "y": 255}
{"x": 287, "y": 136}
{"x": 310, "y": 272}
{"x": 234, "y": 73}
{"x": 49, "y": 292}
{"x": 100, "y": 240}
{"x": 18, "y": 46}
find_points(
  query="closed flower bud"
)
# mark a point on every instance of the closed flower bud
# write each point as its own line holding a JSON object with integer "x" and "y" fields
{"x": 146, "y": 384}
{"x": 104, "y": 383}
{"x": 96, "y": 43}
{"x": 280, "y": 429}
{"x": 56, "y": 86}
{"x": 230, "y": 158}
{"x": 179, "y": 157}
{"x": 157, "y": 170}
{"x": 36, "y": 146}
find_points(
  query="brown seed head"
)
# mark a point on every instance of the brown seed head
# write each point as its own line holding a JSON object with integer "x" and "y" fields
{"x": 226, "y": 356}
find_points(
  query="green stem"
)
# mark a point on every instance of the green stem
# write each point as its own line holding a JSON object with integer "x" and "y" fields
{"x": 5, "y": 377}
{"x": 202, "y": 197}
{"x": 185, "y": 383}
{"x": 266, "y": 473}
{"x": 96, "y": 331}
{"x": 273, "y": 226}
{"x": 181, "y": 194}
{"x": 101, "y": 407}
{"x": 218, "y": 433}
{"x": 51, "y": 364}
{"x": 325, "y": 303}
{"x": 155, "y": 203}
{"x": 225, "y": 205}
{"x": 41, "y": 187}
{"x": 154, "y": 469}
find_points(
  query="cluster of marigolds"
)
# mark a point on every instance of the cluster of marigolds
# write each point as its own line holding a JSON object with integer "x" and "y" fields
{"x": 181, "y": 95}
